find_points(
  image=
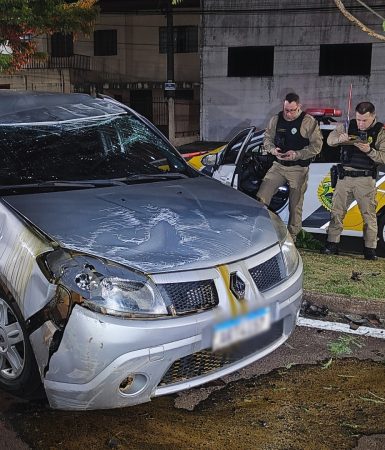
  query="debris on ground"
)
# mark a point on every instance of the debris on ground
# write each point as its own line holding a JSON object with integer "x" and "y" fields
{"x": 374, "y": 320}
{"x": 313, "y": 310}
{"x": 356, "y": 320}
{"x": 357, "y": 276}
{"x": 113, "y": 443}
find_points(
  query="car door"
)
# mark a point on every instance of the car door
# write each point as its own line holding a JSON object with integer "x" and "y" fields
{"x": 318, "y": 196}
{"x": 225, "y": 171}
{"x": 243, "y": 165}
{"x": 252, "y": 166}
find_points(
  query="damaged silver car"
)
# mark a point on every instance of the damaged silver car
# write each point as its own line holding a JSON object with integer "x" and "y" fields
{"x": 125, "y": 274}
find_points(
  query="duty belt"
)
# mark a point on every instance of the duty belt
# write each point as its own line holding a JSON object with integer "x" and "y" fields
{"x": 358, "y": 173}
{"x": 299, "y": 162}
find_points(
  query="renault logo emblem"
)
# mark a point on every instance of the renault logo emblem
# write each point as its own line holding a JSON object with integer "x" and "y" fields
{"x": 237, "y": 286}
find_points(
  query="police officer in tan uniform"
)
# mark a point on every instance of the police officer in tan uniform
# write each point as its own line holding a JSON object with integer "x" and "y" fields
{"x": 294, "y": 138}
{"x": 357, "y": 175}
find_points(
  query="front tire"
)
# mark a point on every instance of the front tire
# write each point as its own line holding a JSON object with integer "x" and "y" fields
{"x": 18, "y": 370}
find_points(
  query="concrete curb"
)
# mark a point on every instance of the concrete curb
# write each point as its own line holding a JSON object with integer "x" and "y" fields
{"x": 347, "y": 305}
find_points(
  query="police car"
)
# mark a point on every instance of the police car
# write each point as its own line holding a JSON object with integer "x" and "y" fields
{"x": 242, "y": 164}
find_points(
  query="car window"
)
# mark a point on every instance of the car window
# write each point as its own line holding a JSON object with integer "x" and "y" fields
{"x": 87, "y": 149}
{"x": 255, "y": 143}
{"x": 327, "y": 154}
{"x": 232, "y": 149}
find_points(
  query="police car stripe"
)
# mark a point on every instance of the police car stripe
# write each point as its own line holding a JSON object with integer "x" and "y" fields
{"x": 318, "y": 219}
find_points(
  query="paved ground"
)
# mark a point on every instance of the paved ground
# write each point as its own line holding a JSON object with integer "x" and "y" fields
{"x": 8, "y": 438}
{"x": 305, "y": 346}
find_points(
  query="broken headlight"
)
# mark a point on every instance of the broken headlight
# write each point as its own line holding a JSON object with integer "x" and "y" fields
{"x": 105, "y": 286}
{"x": 289, "y": 251}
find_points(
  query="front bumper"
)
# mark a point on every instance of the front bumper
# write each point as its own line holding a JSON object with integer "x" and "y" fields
{"x": 109, "y": 362}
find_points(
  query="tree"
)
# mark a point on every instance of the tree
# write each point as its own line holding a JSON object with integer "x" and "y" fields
{"x": 22, "y": 20}
{"x": 357, "y": 22}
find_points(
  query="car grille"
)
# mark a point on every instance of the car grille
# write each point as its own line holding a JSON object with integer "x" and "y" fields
{"x": 269, "y": 273}
{"x": 206, "y": 361}
{"x": 191, "y": 296}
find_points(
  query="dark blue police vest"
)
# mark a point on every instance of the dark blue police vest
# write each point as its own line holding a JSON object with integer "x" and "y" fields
{"x": 353, "y": 157}
{"x": 287, "y": 133}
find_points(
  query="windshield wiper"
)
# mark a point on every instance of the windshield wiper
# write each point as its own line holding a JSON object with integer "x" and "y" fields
{"x": 152, "y": 177}
{"x": 64, "y": 183}
{"x": 87, "y": 184}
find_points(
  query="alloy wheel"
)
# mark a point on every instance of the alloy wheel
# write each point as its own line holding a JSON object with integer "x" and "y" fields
{"x": 12, "y": 344}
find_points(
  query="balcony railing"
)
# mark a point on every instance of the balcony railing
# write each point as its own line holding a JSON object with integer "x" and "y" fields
{"x": 81, "y": 62}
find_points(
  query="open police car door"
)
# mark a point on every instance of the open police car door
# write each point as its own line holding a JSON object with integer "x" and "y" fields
{"x": 243, "y": 165}
{"x": 225, "y": 170}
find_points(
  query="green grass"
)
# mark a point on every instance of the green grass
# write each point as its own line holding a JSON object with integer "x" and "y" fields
{"x": 333, "y": 275}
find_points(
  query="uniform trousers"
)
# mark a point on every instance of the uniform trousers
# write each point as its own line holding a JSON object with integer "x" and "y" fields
{"x": 296, "y": 177}
{"x": 363, "y": 190}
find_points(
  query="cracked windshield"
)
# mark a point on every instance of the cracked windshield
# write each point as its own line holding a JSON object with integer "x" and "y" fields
{"x": 114, "y": 148}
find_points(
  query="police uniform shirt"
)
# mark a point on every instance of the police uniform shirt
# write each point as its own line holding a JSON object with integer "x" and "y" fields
{"x": 309, "y": 130}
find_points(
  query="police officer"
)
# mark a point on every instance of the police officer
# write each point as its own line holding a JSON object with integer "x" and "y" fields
{"x": 357, "y": 176}
{"x": 294, "y": 138}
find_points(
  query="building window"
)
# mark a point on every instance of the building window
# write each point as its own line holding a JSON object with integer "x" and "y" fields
{"x": 250, "y": 61}
{"x": 345, "y": 59}
{"x": 105, "y": 43}
{"x": 185, "y": 39}
{"x": 62, "y": 44}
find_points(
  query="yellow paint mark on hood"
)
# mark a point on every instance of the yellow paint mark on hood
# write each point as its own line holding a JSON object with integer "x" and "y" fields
{"x": 224, "y": 271}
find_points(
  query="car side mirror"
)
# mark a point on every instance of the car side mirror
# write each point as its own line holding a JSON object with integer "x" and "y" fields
{"x": 210, "y": 160}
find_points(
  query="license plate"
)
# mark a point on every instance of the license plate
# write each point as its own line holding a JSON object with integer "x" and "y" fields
{"x": 241, "y": 328}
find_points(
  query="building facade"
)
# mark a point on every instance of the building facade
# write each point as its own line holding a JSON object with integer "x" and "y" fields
{"x": 256, "y": 51}
{"x": 126, "y": 57}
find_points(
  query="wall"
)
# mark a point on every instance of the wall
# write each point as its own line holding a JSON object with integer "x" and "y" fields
{"x": 53, "y": 80}
{"x": 38, "y": 80}
{"x": 138, "y": 55}
{"x": 296, "y": 29}
{"x": 116, "y": 64}
{"x": 145, "y": 61}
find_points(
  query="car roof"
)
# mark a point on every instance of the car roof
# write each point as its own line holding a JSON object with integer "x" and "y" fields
{"x": 23, "y": 107}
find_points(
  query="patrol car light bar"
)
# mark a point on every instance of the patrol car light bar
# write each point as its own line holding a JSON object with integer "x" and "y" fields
{"x": 330, "y": 112}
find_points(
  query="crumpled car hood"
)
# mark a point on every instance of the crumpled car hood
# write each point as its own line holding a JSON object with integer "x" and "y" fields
{"x": 155, "y": 227}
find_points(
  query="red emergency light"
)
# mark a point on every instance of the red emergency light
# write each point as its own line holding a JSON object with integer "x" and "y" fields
{"x": 329, "y": 112}
{"x": 192, "y": 154}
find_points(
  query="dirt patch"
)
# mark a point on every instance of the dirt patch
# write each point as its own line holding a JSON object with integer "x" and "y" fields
{"x": 298, "y": 407}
